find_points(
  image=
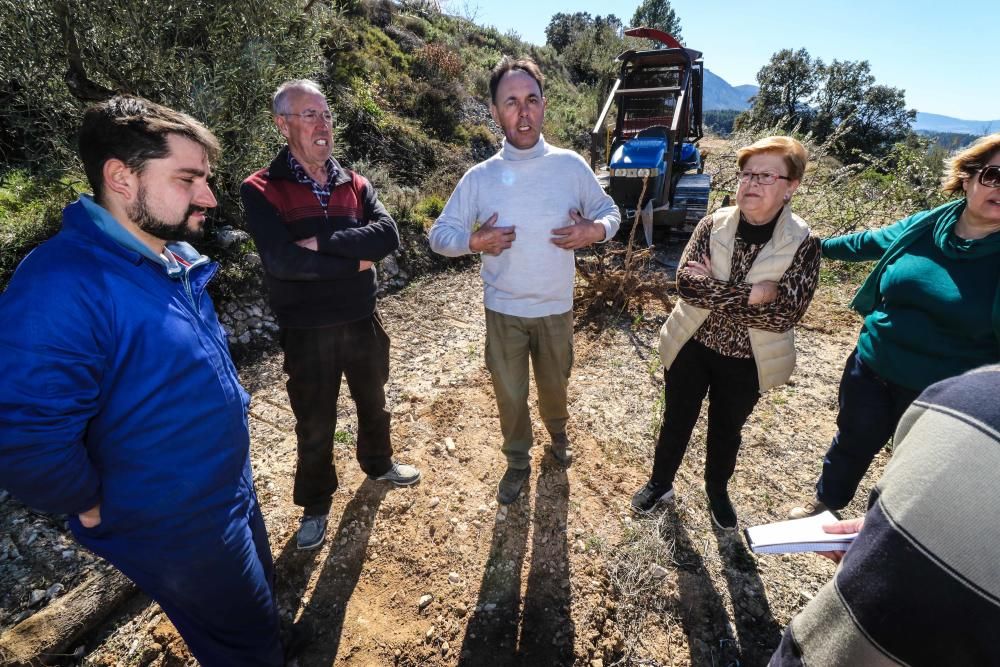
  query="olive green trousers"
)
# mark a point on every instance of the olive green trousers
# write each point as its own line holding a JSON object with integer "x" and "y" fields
{"x": 510, "y": 342}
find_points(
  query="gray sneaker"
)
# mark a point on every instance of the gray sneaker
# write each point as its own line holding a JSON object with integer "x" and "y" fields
{"x": 649, "y": 496}
{"x": 511, "y": 484}
{"x": 399, "y": 474}
{"x": 311, "y": 531}
{"x": 561, "y": 450}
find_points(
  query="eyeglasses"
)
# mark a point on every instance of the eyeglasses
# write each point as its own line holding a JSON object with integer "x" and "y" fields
{"x": 312, "y": 117}
{"x": 990, "y": 176}
{"x": 763, "y": 178}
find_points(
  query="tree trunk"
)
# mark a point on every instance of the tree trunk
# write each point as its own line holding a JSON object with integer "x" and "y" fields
{"x": 50, "y": 633}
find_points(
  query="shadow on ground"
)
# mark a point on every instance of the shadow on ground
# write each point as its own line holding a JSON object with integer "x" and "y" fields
{"x": 322, "y": 616}
{"x": 713, "y": 637}
{"x": 506, "y": 629}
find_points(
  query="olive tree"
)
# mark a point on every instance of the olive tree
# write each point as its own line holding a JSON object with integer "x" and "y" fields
{"x": 218, "y": 60}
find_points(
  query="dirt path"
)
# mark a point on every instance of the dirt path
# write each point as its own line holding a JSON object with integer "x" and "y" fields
{"x": 561, "y": 577}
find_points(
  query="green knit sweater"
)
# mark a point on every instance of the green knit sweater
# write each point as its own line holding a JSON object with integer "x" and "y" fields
{"x": 932, "y": 316}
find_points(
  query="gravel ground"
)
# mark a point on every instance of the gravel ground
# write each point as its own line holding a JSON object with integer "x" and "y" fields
{"x": 438, "y": 574}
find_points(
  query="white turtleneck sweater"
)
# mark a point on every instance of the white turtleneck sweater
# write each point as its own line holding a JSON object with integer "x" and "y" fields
{"x": 533, "y": 190}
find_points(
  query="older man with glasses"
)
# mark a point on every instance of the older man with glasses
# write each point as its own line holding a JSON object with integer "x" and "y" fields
{"x": 320, "y": 229}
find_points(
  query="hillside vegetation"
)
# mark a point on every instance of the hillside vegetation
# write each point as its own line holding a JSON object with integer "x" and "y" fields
{"x": 408, "y": 84}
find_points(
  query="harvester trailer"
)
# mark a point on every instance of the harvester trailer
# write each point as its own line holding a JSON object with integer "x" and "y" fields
{"x": 654, "y": 168}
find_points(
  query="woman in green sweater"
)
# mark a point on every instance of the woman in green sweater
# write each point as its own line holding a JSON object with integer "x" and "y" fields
{"x": 932, "y": 311}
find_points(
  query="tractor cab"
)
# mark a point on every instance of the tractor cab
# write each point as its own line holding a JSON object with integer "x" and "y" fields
{"x": 650, "y": 141}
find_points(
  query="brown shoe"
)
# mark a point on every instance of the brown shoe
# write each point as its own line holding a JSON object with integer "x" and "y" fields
{"x": 510, "y": 484}
{"x": 561, "y": 450}
{"x": 811, "y": 508}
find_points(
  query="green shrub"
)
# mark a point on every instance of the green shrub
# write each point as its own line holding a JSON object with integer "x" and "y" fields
{"x": 219, "y": 60}
{"x": 418, "y": 26}
{"x": 378, "y": 12}
{"x": 367, "y": 97}
{"x": 428, "y": 210}
{"x": 439, "y": 108}
{"x": 30, "y": 212}
{"x": 403, "y": 149}
{"x": 570, "y": 114}
{"x": 481, "y": 141}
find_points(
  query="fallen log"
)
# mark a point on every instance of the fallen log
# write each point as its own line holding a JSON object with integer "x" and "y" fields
{"x": 48, "y": 635}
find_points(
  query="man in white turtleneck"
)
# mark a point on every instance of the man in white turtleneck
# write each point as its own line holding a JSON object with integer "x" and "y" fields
{"x": 526, "y": 209}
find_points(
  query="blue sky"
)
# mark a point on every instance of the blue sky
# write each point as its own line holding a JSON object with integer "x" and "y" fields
{"x": 942, "y": 55}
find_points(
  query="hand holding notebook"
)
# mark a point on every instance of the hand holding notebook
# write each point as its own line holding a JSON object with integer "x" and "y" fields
{"x": 798, "y": 535}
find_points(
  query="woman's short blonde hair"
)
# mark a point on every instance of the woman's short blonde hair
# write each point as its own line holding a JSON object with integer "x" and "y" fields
{"x": 794, "y": 153}
{"x": 967, "y": 163}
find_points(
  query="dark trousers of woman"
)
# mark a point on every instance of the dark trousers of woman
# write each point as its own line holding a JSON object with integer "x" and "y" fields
{"x": 315, "y": 360}
{"x": 870, "y": 409}
{"x": 732, "y": 388}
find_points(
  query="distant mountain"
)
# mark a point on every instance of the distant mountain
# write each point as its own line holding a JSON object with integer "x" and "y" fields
{"x": 932, "y": 122}
{"x": 718, "y": 94}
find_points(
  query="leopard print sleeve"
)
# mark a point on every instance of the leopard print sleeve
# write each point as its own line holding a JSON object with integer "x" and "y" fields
{"x": 703, "y": 291}
{"x": 697, "y": 245}
{"x": 795, "y": 292}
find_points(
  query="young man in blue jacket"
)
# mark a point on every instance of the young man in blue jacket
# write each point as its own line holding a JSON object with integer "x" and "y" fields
{"x": 121, "y": 406}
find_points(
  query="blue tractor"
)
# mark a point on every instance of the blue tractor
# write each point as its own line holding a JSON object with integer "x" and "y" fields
{"x": 652, "y": 158}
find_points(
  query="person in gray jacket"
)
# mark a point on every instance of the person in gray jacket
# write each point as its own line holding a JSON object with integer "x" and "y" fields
{"x": 526, "y": 209}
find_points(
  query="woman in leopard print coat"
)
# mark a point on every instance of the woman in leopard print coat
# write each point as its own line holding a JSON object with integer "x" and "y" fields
{"x": 745, "y": 278}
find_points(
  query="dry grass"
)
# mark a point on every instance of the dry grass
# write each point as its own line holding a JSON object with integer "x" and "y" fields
{"x": 638, "y": 583}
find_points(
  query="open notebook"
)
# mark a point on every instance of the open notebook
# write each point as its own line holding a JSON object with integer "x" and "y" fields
{"x": 797, "y": 535}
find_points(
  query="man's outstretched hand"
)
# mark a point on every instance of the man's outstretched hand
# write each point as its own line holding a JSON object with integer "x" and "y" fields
{"x": 582, "y": 233}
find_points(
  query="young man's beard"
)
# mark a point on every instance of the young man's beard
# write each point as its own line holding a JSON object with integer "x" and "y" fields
{"x": 165, "y": 231}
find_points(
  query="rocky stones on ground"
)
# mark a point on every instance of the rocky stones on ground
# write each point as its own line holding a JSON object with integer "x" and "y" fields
{"x": 227, "y": 236}
{"x": 390, "y": 267}
{"x": 424, "y": 601}
{"x": 657, "y": 571}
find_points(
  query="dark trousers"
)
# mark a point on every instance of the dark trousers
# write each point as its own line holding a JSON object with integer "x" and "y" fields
{"x": 733, "y": 390}
{"x": 870, "y": 409}
{"x": 315, "y": 360}
{"x": 219, "y": 593}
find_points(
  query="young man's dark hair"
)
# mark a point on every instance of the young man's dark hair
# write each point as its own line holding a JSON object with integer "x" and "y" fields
{"x": 134, "y": 130}
{"x": 507, "y": 64}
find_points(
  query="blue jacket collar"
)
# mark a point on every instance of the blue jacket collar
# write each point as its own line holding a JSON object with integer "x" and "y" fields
{"x": 104, "y": 221}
